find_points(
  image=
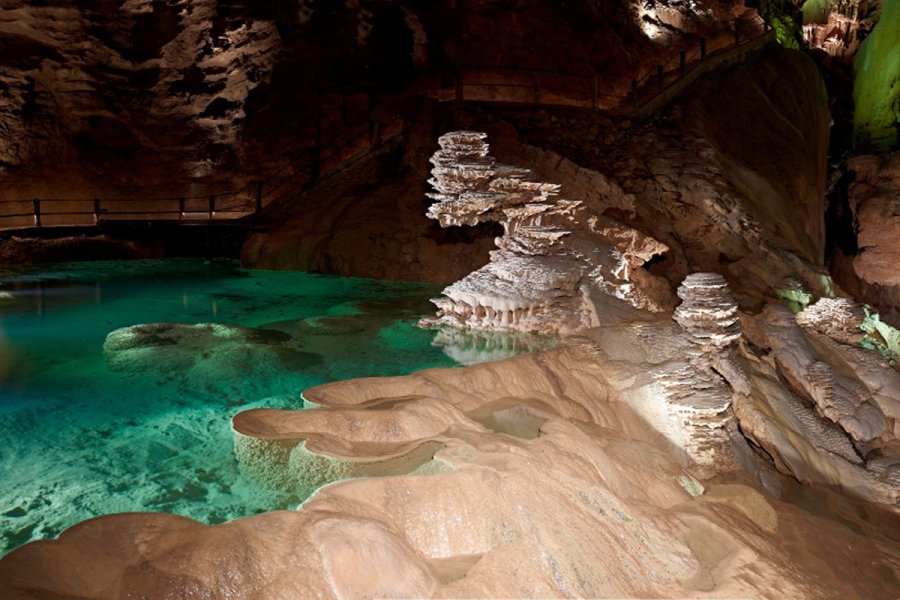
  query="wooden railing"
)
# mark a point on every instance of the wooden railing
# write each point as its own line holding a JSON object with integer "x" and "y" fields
{"x": 353, "y": 139}
{"x": 358, "y": 134}
{"x": 498, "y": 83}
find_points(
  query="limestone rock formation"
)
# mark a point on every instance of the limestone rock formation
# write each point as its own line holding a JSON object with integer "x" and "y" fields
{"x": 838, "y": 27}
{"x": 708, "y": 313}
{"x": 694, "y": 408}
{"x": 836, "y": 421}
{"x": 105, "y": 97}
{"x": 838, "y": 318}
{"x": 873, "y": 199}
{"x": 875, "y": 92}
{"x": 723, "y": 194}
{"x": 16, "y": 250}
{"x": 365, "y": 218}
{"x": 556, "y": 258}
{"x": 872, "y": 274}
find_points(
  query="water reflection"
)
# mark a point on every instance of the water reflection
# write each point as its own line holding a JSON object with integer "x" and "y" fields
{"x": 6, "y": 356}
{"x": 469, "y": 347}
{"x": 36, "y": 297}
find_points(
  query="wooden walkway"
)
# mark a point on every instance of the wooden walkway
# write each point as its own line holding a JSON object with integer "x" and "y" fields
{"x": 357, "y": 137}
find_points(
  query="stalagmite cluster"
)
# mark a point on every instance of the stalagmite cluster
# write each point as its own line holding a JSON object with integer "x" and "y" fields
{"x": 709, "y": 316}
{"x": 695, "y": 412}
{"x": 554, "y": 259}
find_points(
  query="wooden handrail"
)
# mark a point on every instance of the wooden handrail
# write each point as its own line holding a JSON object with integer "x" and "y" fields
{"x": 295, "y": 177}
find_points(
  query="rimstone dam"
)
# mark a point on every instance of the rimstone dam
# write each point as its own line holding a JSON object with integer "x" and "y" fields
{"x": 449, "y": 299}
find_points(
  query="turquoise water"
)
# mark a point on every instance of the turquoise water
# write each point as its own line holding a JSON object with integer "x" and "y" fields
{"x": 83, "y": 433}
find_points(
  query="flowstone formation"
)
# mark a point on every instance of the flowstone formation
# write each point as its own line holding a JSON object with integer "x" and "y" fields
{"x": 524, "y": 478}
{"x": 556, "y": 262}
{"x": 823, "y": 407}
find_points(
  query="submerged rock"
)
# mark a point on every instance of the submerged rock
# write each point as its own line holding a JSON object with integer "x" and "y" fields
{"x": 205, "y": 353}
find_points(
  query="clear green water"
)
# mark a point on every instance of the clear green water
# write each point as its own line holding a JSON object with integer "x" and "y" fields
{"x": 80, "y": 439}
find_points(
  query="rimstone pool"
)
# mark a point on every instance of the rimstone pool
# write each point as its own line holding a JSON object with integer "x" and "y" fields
{"x": 91, "y": 425}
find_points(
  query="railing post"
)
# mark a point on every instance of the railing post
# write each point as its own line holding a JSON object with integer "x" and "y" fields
{"x": 682, "y": 61}
{"x": 458, "y": 83}
{"x": 259, "y": 190}
{"x": 37, "y": 212}
{"x": 96, "y": 211}
{"x": 596, "y": 93}
{"x": 181, "y": 208}
{"x": 660, "y": 75}
{"x": 702, "y": 48}
{"x": 212, "y": 206}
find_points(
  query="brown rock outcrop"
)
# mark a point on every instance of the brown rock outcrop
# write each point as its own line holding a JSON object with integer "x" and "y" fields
{"x": 112, "y": 97}
{"x": 366, "y": 218}
{"x": 873, "y": 274}
{"x": 836, "y": 421}
{"x": 722, "y": 193}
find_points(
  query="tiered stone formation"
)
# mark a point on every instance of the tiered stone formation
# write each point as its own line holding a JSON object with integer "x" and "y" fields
{"x": 709, "y": 317}
{"x": 553, "y": 258}
{"x": 696, "y": 414}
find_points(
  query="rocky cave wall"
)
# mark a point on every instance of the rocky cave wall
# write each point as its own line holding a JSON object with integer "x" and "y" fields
{"x": 731, "y": 178}
{"x": 145, "y": 96}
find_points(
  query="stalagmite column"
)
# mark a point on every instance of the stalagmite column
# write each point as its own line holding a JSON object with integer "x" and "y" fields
{"x": 709, "y": 317}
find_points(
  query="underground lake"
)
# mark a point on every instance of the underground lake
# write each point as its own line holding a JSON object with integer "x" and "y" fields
{"x": 92, "y": 424}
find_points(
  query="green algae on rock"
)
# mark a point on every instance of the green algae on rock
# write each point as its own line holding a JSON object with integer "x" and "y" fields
{"x": 876, "y": 121}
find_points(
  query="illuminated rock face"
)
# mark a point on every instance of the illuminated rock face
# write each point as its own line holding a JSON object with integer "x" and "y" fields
{"x": 838, "y": 27}
{"x": 838, "y": 318}
{"x": 873, "y": 199}
{"x": 556, "y": 258}
{"x": 696, "y": 413}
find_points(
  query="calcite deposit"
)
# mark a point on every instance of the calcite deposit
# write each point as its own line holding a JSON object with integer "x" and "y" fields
{"x": 655, "y": 454}
{"x": 838, "y": 27}
{"x": 709, "y": 317}
{"x": 694, "y": 404}
{"x": 556, "y": 260}
{"x": 835, "y": 420}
